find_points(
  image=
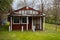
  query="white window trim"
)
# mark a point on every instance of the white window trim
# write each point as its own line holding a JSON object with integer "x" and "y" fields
{"x": 16, "y": 23}
{"x": 22, "y": 22}
{"x": 20, "y": 12}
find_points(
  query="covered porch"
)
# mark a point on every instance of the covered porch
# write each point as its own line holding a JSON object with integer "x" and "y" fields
{"x": 27, "y": 22}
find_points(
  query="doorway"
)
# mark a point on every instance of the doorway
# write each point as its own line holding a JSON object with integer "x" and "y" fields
{"x": 36, "y": 23}
{"x": 30, "y": 23}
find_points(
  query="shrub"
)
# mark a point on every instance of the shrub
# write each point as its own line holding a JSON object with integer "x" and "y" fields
{"x": 5, "y": 27}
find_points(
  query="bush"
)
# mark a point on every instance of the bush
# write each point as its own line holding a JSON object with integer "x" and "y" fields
{"x": 5, "y": 27}
{"x": 51, "y": 21}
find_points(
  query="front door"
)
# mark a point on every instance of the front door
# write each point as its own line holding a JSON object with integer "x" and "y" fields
{"x": 30, "y": 23}
{"x": 36, "y": 23}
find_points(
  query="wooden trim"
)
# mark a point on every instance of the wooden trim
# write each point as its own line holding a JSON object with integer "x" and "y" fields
{"x": 40, "y": 23}
{"x": 11, "y": 23}
{"x": 16, "y": 23}
{"x": 32, "y": 23}
{"x": 20, "y": 21}
{"x": 24, "y": 8}
{"x": 27, "y": 15}
{"x": 27, "y": 23}
{"x": 13, "y": 20}
{"x": 44, "y": 23}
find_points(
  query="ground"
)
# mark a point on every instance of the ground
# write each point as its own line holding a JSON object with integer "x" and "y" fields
{"x": 50, "y": 33}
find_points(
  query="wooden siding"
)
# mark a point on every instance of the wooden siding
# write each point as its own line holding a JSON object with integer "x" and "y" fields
{"x": 19, "y": 26}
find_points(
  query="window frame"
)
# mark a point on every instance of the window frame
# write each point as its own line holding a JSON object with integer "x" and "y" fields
{"x": 14, "y": 22}
{"x": 24, "y": 20}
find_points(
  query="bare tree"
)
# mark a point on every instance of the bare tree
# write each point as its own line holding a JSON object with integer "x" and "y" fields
{"x": 56, "y": 12}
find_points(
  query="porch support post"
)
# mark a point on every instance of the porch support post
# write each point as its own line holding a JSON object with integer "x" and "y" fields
{"x": 11, "y": 23}
{"x": 40, "y": 23}
{"x": 27, "y": 23}
{"x": 33, "y": 26}
{"x": 32, "y": 23}
{"x": 43, "y": 23}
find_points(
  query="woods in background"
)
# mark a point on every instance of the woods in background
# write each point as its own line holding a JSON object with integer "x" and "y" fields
{"x": 51, "y": 9}
{"x": 5, "y": 6}
{"x": 53, "y": 13}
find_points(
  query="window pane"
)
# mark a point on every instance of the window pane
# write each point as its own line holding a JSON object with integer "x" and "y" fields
{"x": 16, "y": 12}
{"x": 16, "y": 19}
{"x": 34, "y": 12}
{"x": 19, "y": 12}
{"x": 30, "y": 11}
{"x": 23, "y": 13}
{"x": 24, "y": 20}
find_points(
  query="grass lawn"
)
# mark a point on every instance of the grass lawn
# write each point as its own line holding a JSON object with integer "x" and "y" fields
{"x": 29, "y": 35}
{"x": 52, "y": 27}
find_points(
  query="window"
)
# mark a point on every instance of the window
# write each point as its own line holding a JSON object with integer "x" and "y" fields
{"x": 24, "y": 20}
{"x": 16, "y": 12}
{"x": 19, "y": 20}
{"x": 34, "y": 12}
{"x": 23, "y": 13}
{"x": 30, "y": 11}
{"x": 19, "y": 12}
{"x": 15, "y": 19}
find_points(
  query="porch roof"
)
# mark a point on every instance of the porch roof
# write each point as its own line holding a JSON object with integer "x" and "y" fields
{"x": 42, "y": 15}
{"x": 27, "y": 8}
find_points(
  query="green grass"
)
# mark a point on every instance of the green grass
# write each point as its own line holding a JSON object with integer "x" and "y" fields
{"x": 49, "y": 34}
{"x": 17, "y": 35}
{"x": 52, "y": 27}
